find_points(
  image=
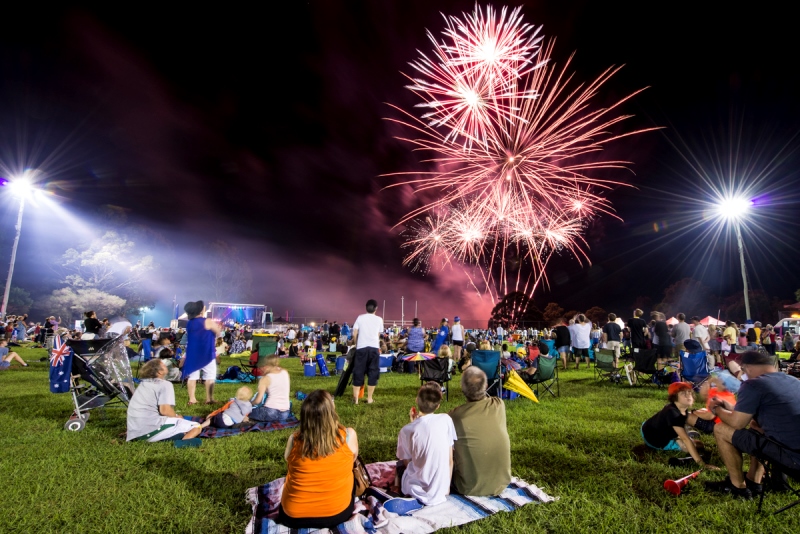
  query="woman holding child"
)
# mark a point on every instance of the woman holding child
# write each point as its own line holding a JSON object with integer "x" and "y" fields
{"x": 318, "y": 491}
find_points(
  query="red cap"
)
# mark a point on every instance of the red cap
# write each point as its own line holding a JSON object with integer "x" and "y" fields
{"x": 677, "y": 387}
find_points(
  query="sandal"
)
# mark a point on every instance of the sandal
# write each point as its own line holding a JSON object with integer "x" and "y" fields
{"x": 213, "y": 402}
{"x": 191, "y": 403}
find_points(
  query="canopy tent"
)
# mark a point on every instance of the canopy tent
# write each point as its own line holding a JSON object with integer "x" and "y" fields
{"x": 672, "y": 321}
{"x": 710, "y": 320}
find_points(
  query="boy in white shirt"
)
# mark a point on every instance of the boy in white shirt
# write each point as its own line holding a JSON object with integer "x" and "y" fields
{"x": 425, "y": 449}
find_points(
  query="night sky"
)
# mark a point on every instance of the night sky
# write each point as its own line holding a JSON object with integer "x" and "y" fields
{"x": 264, "y": 126}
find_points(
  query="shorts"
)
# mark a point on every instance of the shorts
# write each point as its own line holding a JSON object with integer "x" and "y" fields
{"x": 671, "y": 446}
{"x": 580, "y": 352}
{"x": 5, "y": 365}
{"x": 173, "y": 426}
{"x": 664, "y": 351}
{"x": 366, "y": 362}
{"x": 749, "y": 441}
{"x": 613, "y": 345}
{"x": 458, "y": 343}
{"x": 564, "y": 349}
{"x": 209, "y": 372}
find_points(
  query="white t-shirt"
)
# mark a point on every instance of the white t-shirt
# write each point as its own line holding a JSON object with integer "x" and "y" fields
{"x": 581, "y": 335}
{"x": 427, "y": 443}
{"x": 291, "y": 334}
{"x": 458, "y": 332}
{"x": 500, "y": 331}
{"x": 369, "y": 327}
{"x": 700, "y": 333}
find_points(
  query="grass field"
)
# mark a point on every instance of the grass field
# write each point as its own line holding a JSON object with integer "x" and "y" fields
{"x": 576, "y": 447}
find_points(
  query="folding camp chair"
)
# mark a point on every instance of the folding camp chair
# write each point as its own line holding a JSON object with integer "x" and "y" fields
{"x": 266, "y": 347}
{"x": 436, "y": 370}
{"x": 694, "y": 368}
{"x": 775, "y": 470}
{"x": 488, "y": 361}
{"x": 604, "y": 368}
{"x": 644, "y": 366}
{"x": 546, "y": 375}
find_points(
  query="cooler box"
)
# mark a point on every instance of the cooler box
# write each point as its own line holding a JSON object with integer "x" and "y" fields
{"x": 310, "y": 369}
{"x": 340, "y": 361}
{"x": 385, "y": 362}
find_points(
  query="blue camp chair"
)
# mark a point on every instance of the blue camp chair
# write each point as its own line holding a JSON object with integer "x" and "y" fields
{"x": 146, "y": 349}
{"x": 340, "y": 361}
{"x": 694, "y": 368}
{"x": 488, "y": 361}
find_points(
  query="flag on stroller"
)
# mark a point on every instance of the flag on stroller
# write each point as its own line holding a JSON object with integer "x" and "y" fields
{"x": 60, "y": 366}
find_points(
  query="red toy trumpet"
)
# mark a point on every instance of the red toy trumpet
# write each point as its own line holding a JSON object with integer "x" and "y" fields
{"x": 675, "y": 486}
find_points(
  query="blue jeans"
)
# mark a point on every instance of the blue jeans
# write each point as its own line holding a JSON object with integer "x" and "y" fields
{"x": 266, "y": 415}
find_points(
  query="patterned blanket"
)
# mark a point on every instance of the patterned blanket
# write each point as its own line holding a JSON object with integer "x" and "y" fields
{"x": 457, "y": 510}
{"x": 211, "y": 432}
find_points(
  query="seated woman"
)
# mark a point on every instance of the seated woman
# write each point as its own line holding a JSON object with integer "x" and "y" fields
{"x": 318, "y": 492}
{"x": 272, "y": 398}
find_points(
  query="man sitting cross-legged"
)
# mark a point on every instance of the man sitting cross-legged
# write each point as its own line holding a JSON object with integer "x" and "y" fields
{"x": 482, "y": 455}
{"x": 151, "y": 411}
{"x": 769, "y": 401}
{"x": 425, "y": 450}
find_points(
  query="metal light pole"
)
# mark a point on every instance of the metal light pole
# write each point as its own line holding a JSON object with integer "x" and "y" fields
{"x": 734, "y": 209}
{"x": 13, "y": 256}
{"x": 744, "y": 271}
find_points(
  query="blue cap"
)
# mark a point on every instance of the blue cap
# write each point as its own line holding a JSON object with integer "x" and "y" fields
{"x": 456, "y": 318}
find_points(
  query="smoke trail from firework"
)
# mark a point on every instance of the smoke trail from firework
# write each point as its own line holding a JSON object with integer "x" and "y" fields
{"x": 515, "y": 146}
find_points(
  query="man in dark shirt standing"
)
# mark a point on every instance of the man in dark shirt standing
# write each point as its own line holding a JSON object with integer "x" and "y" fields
{"x": 563, "y": 341}
{"x": 638, "y": 329}
{"x": 769, "y": 401}
{"x": 612, "y": 335}
{"x": 662, "y": 340}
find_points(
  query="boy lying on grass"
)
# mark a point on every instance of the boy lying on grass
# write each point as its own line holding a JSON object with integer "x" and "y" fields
{"x": 425, "y": 454}
{"x": 6, "y": 356}
{"x": 666, "y": 430}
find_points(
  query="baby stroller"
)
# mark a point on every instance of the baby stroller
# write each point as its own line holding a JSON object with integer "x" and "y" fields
{"x": 104, "y": 365}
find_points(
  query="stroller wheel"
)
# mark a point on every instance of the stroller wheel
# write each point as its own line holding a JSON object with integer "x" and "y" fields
{"x": 84, "y": 416}
{"x": 75, "y": 425}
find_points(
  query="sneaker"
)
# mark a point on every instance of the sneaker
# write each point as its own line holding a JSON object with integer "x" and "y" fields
{"x": 679, "y": 462}
{"x": 755, "y": 489}
{"x": 725, "y": 487}
{"x": 694, "y": 434}
{"x": 378, "y": 515}
{"x": 402, "y": 505}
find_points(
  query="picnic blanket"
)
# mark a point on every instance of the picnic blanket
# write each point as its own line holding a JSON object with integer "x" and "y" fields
{"x": 211, "y": 432}
{"x": 457, "y": 510}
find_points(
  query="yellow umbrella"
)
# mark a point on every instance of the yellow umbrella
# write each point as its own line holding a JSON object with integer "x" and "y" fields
{"x": 516, "y": 384}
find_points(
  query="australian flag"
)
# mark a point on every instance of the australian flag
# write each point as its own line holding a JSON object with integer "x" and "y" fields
{"x": 60, "y": 366}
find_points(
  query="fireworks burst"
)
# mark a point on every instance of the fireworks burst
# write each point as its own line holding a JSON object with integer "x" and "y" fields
{"x": 514, "y": 143}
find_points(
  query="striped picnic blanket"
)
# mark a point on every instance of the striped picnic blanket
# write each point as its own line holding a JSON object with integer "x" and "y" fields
{"x": 456, "y": 510}
{"x": 211, "y": 432}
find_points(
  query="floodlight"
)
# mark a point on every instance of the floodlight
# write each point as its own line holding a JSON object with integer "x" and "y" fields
{"x": 734, "y": 207}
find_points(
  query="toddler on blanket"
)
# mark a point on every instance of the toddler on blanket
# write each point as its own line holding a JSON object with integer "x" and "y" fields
{"x": 237, "y": 412}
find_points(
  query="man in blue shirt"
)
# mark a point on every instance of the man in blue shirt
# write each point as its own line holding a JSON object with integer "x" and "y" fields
{"x": 769, "y": 401}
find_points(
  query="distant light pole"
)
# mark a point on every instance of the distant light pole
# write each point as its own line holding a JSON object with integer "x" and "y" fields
{"x": 734, "y": 210}
{"x": 22, "y": 187}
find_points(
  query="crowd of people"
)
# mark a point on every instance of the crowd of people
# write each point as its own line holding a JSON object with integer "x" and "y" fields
{"x": 753, "y": 410}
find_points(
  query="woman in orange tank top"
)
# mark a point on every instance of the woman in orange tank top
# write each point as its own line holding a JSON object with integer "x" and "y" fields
{"x": 318, "y": 492}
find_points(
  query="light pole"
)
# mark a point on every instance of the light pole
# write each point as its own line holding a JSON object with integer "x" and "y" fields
{"x": 734, "y": 209}
{"x": 21, "y": 187}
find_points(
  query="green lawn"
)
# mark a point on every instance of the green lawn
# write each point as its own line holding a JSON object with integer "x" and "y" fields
{"x": 576, "y": 447}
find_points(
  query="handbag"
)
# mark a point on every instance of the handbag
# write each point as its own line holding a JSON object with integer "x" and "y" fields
{"x": 361, "y": 477}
